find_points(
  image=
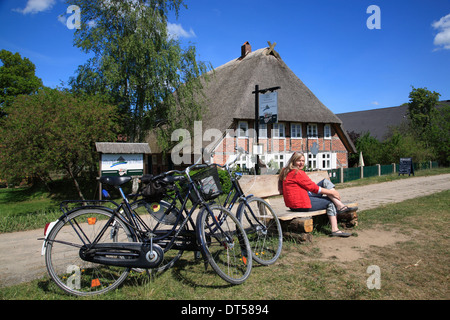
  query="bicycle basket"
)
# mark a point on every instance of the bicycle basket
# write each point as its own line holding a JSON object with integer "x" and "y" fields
{"x": 207, "y": 183}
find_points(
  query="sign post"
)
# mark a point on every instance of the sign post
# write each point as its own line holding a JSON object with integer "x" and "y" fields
{"x": 122, "y": 159}
{"x": 122, "y": 164}
{"x": 406, "y": 166}
{"x": 266, "y": 111}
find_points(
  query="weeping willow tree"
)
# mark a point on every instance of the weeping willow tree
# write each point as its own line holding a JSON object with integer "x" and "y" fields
{"x": 139, "y": 65}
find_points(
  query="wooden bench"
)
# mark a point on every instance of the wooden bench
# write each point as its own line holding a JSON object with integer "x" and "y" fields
{"x": 298, "y": 225}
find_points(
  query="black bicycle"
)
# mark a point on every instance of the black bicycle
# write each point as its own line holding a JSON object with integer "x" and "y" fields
{"x": 91, "y": 249}
{"x": 257, "y": 217}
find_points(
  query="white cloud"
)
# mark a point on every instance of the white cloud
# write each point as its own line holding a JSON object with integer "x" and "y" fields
{"x": 442, "y": 39}
{"x": 177, "y": 31}
{"x": 35, "y": 6}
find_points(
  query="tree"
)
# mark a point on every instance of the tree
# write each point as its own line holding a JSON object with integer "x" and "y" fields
{"x": 429, "y": 124}
{"x": 402, "y": 144}
{"x": 440, "y": 135}
{"x": 17, "y": 76}
{"x": 421, "y": 112}
{"x": 139, "y": 65}
{"x": 370, "y": 147}
{"x": 54, "y": 130}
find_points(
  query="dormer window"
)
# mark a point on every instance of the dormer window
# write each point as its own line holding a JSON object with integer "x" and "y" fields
{"x": 242, "y": 131}
{"x": 312, "y": 131}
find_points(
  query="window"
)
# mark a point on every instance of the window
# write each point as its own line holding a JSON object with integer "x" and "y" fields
{"x": 296, "y": 130}
{"x": 262, "y": 130}
{"x": 242, "y": 131}
{"x": 279, "y": 160}
{"x": 312, "y": 161}
{"x": 326, "y": 161}
{"x": 278, "y": 130}
{"x": 312, "y": 130}
{"x": 327, "y": 131}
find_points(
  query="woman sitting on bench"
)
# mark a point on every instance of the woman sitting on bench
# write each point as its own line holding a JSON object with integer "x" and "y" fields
{"x": 300, "y": 193}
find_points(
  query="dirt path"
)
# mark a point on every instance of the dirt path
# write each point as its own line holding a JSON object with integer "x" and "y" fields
{"x": 21, "y": 260}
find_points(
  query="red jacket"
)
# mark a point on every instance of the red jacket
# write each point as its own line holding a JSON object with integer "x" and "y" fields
{"x": 295, "y": 188}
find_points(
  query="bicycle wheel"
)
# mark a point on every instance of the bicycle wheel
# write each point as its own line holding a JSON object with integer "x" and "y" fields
{"x": 263, "y": 230}
{"x": 224, "y": 244}
{"x": 62, "y": 255}
{"x": 161, "y": 222}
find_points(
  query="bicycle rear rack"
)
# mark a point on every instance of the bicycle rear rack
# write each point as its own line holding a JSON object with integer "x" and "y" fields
{"x": 64, "y": 205}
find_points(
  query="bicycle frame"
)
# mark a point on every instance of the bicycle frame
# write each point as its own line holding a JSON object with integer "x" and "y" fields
{"x": 140, "y": 232}
{"x": 238, "y": 195}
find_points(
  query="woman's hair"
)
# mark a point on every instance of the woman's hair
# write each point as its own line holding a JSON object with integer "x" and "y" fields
{"x": 290, "y": 165}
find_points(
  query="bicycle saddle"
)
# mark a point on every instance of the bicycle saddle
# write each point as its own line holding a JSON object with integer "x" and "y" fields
{"x": 114, "y": 181}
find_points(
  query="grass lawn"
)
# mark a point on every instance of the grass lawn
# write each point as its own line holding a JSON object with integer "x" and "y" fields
{"x": 415, "y": 269}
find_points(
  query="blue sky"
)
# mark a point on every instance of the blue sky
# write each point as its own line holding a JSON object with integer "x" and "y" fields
{"x": 326, "y": 43}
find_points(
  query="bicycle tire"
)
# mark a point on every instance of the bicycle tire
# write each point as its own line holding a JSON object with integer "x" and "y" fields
{"x": 71, "y": 273}
{"x": 157, "y": 225}
{"x": 231, "y": 258}
{"x": 263, "y": 230}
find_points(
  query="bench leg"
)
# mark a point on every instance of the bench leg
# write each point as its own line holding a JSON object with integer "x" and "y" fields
{"x": 298, "y": 229}
{"x": 298, "y": 225}
{"x": 348, "y": 219}
{"x": 300, "y": 237}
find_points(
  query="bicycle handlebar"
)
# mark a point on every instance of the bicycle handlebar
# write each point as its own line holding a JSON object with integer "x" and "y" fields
{"x": 149, "y": 178}
{"x": 159, "y": 177}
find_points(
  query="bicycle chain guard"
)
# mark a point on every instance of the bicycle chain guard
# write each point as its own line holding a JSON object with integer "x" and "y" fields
{"x": 124, "y": 254}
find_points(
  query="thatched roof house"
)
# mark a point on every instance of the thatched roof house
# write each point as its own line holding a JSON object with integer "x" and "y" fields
{"x": 302, "y": 119}
{"x": 230, "y": 98}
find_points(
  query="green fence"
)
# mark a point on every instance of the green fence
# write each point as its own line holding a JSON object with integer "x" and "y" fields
{"x": 350, "y": 174}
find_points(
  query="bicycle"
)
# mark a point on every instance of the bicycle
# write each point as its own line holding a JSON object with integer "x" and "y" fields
{"x": 257, "y": 216}
{"x": 91, "y": 249}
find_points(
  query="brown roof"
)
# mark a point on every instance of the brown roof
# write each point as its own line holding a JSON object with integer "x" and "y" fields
{"x": 378, "y": 121}
{"x": 118, "y": 147}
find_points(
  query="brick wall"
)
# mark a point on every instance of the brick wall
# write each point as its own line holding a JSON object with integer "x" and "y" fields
{"x": 284, "y": 145}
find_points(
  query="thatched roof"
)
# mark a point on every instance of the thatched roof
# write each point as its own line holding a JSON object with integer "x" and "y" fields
{"x": 231, "y": 86}
{"x": 229, "y": 93}
{"x": 125, "y": 148}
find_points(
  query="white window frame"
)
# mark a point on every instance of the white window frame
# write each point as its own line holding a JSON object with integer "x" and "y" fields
{"x": 327, "y": 131}
{"x": 296, "y": 131}
{"x": 262, "y": 127}
{"x": 242, "y": 132}
{"x": 326, "y": 160}
{"x": 279, "y": 131}
{"x": 312, "y": 131}
{"x": 312, "y": 162}
{"x": 323, "y": 160}
{"x": 279, "y": 158}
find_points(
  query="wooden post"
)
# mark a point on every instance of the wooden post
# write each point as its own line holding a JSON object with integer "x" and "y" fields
{"x": 257, "y": 126}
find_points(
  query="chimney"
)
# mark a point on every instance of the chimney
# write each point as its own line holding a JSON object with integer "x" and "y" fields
{"x": 245, "y": 49}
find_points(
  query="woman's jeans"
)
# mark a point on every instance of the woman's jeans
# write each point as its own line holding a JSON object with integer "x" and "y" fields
{"x": 319, "y": 201}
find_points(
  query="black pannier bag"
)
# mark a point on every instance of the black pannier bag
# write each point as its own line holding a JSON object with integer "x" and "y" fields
{"x": 152, "y": 191}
